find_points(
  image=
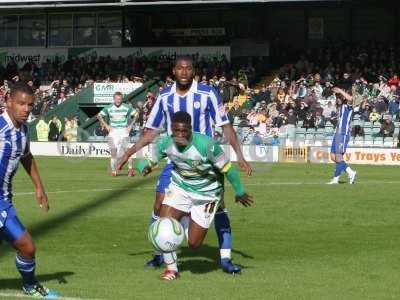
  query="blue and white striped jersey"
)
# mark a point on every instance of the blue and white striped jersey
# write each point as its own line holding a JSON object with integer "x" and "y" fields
{"x": 202, "y": 102}
{"x": 13, "y": 145}
{"x": 344, "y": 119}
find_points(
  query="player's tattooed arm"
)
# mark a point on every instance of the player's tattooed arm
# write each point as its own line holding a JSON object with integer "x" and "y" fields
{"x": 103, "y": 123}
{"x": 148, "y": 137}
{"x": 233, "y": 177}
{"x": 30, "y": 167}
{"x": 233, "y": 141}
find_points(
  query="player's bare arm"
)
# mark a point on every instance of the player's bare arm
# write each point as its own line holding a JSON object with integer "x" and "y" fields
{"x": 233, "y": 141}
{"x": 103, "y": 123}
{"x": 31, "y": 169}
{"x": 148, "y": 137}
{"x": 346, "y": 95}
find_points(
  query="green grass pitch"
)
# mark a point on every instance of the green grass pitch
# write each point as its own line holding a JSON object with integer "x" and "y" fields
{"x": 302, "y": 239}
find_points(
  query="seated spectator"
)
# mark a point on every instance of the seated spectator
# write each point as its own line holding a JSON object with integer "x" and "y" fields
{"x": 235, "y": 112}
{"x": 374, "y": 116}
{"x": 309, "y": 121}
{"x": 291, "y": 118}
{"x": 387, "y": 127}
{"x": 319, "y": 120}
{"x": 101, "y": 131}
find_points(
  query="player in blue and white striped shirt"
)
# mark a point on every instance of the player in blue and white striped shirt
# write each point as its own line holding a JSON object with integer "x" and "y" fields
{"x": 13, "y": 149}
{"x": 342, "y": 136}
{"x": 206, "y": 109}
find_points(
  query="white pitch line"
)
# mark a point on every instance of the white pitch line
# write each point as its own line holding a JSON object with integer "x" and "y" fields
{"x": 21, "y": 295}
{"x": 245, "y": 183}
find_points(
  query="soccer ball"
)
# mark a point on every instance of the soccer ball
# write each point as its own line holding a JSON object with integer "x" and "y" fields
{"x": 166, "y": 234}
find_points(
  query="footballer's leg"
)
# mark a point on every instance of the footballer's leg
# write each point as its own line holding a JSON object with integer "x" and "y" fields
{"x": 224, "y": 233}
{"x": 124, "y": 148}
{"x": 16, "y": 234}
{"x": 350, "y": 172}
{"x": 163, "y": 183}
{"x": 170, "y": 258}
{"x": 112, "y": 144}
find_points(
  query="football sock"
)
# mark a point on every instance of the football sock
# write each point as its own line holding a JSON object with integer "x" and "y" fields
{"x": 344, "y": 165}
{"x": 130, "y": 163}
{"x": 185, "y": 224}
{"x": 170, "y": 260}
{"x": 113, "y": 167}
{"x": 26, "y": 267}
{"x": 223, "y": 229}
{"x": 349, "y": 170}
{"x": 338, "y": 169}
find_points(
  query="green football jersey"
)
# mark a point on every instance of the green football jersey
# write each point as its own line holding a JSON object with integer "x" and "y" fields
{"x": 118, "y": 116}
{"x": 198, "y": 167}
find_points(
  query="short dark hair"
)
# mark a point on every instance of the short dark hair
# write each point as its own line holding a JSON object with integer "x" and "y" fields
{"x": 183, "y": 57}
{"x": 21, "y": 87}
{"x": 118, "y": 94}
{"x": 182, "y": 117}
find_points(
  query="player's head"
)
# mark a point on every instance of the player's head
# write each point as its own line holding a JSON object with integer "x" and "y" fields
{"x": 184, "y": 72}
{"x": 181, "y": 126}
{"x": 117, "y": 98}
{"x": 20, "y": 103}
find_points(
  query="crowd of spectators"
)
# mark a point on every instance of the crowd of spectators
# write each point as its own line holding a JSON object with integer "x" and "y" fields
{"x": 56, "y": 81}
{"x": 301, "y": 94}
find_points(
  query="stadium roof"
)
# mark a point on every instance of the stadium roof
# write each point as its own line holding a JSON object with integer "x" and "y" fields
{"x": 94, "y": 3}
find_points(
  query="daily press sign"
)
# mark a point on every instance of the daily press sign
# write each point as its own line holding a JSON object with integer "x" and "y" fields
{"x": 40, "y": 55}
{"x": 103, "y": 92}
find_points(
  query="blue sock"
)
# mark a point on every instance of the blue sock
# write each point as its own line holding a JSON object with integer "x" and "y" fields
{"x": 338, "y": 169}
{"x": 344, "y": 165}
{"x": 26, "y": 268}
{"x": 223, "y": 229}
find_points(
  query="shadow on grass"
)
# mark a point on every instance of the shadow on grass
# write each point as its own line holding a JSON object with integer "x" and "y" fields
{"x": 15, "y": 283}
{"x": 203, "y": 260}
{"x": 54, "y": 223}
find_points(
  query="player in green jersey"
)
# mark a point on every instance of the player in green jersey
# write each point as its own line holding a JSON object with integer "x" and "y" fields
{"x": 120, "y": 117}
{"x": 197, "y": 183}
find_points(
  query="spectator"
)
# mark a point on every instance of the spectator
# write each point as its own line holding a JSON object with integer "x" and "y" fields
{"x": 387, "y": 127}
{"x": 291, "y": 118}
{"x": 42, "y": 130}
{"x": 374, "y": 116}
{"x": 309, "y": 121}
{"x": 101, "y": 131}
{"x": 235, "y": 112}
{"x": 319, "y": 120}
{"x": 54, "y": 129}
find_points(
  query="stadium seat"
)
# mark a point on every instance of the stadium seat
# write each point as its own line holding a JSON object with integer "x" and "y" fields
{"x": 375, "y": 130}
{"x": 367, "y": 131}
{"x": 388, "y": 142}
{"x": 359, "y": 141}
{"x": 378, "y": 142}
{"x": 368, "y": 141}
{"x": 367, "y": 124}
{"x": 291, "y": 132}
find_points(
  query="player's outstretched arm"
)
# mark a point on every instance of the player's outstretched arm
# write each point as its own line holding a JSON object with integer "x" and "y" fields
{"x": 233, "y": 141}
{"x": 233, "y": 177}
{"x": 30, "y": 167}
{"x": 347, "y": 96}
{"x": 148, "y": 136}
